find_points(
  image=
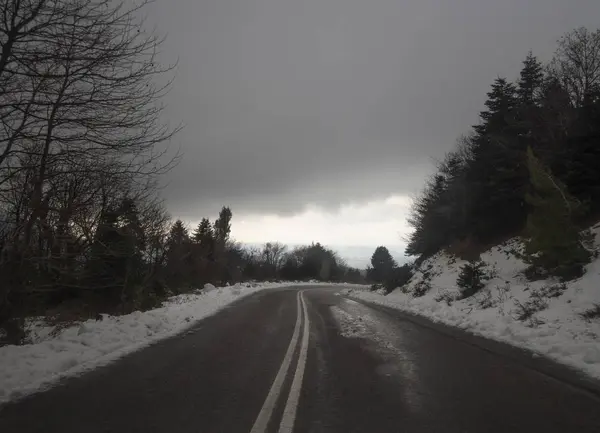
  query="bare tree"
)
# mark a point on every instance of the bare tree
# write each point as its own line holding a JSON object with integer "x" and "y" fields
{"x": 80, "y": 129}
{"x": 576, "y": 65}
{"x": 272, "y": 256}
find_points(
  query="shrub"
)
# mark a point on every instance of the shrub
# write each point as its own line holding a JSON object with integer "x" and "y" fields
{"x": 13, "y": 331}
{"x": 592, "y": 313}
{"x": 485, "y": 300}
{"x": 535, "y": 273}
{"x": 421, "y": 288}
{"x": 398, "y": 278}
{"x": 526, "y": 311}
{"x": 553, "y": 291}
{"x": 446, "y": 296}
{"x": 374, "y": 287}
{"x": 502, "y": 296}
{"x": 471, "y": 278}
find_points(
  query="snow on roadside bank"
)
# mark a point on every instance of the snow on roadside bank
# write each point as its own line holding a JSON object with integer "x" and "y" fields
{"x": 86, "y": 345}
{"x": 557, "y": 331}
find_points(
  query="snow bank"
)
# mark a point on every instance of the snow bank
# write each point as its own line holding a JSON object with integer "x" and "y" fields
{"x": 558, "y": 331}
{"x": 54, "y": 354}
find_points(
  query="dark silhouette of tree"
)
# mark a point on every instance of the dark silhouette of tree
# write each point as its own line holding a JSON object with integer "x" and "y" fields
{"x": 382, "y": 265}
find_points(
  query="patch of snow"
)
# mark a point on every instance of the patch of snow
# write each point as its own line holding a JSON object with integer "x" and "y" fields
{"x": 349, "y": 325}
{"x": 57, "y": 353}
{"x": 557, "y": 331}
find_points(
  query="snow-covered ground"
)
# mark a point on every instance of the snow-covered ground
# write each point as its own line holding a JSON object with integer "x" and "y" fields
{"x": 56, "y": 353}
{"x": 557, "y": 330}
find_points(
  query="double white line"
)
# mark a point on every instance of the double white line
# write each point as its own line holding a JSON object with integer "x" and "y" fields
{"x": 289, "y": 413}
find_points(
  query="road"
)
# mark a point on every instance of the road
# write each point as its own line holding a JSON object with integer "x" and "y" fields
{"x": 313, "y": 361}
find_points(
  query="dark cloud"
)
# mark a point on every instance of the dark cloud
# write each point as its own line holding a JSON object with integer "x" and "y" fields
{"x": 327, "y": 101}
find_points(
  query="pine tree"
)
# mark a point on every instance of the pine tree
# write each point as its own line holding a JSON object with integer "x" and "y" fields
{"x": 501, "y": 102}
{"x": 223, "y": 225}
{"x": 430, "y": 218}
{"x": 116, "y": 263}
{"x": 134, "y": 241}
{"x": 105, "y": 267}
{"x": 382, "y": 265}
{"x": 471, "y": 277}
{"x": 179, "y": 260}
{"x": 554, "y": 242}
{"x": 204, "y": 233}
{"x": 530, "y": 81}
{"x": 497, "y": 176}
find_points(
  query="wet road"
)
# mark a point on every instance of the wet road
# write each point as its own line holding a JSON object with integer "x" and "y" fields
{"x": 311, "y": 361}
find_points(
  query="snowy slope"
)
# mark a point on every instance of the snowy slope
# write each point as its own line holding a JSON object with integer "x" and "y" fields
{"x": 557, "y": 331}
{"x": 54, "y": 354}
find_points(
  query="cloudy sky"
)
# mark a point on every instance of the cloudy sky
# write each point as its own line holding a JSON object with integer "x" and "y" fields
{"x": 317, "y": 120}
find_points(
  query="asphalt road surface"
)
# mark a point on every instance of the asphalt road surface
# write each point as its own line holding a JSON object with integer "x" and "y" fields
{"x": 313, "y": 361}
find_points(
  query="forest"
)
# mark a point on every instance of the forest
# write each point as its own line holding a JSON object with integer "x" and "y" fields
{"x": 529, "y": 167}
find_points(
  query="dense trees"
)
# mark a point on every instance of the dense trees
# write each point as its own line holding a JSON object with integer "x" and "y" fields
{"x": 490, "y": 186}
{"x": 80, "y": 121}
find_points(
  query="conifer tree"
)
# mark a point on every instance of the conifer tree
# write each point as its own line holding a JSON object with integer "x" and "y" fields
{"x": 554, "y": 243}
{"x": 531, "y": 80}
{"x": 179, "y": 260}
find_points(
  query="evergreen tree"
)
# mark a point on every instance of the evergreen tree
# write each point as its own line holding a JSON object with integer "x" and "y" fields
{"x": 501, "y": 103}
{"x": 530, "y": 81}
{"x": 497, "y": 176}
{"x": 179, "y": 257}
{"x": 222, "y": 229}
{"x": 134, "y": 241}
{"x": 471, "y": 277}
{"x": 116, "y": 264}
{"x": 429, "y": 218}
{"x": 382, "y": 265}
{"x": 105, "y": 268}
{"x": 205, "y": 241}
{"x": 223, "y": 226}
{"x": 204, "y": 232}
{"x": 554, "y": 242}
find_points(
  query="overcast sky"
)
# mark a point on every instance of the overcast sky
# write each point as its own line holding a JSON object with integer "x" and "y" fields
{"x": 318, "y": 119}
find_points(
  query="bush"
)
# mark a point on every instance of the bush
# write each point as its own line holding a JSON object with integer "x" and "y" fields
{"x": 534, "y": 273}
{"x": 376, "y": 286}
{"x": 421, "y": 288}
{"x": 12, "y": 332}
{"x": 471, "y": 278}
{"x": 486, "y": 301}
{"x": 526, "y": 311}
{"x": 446, "y": 296}
{"x": 502, "y": 296}
{"x": 592, "y": 313}
{"x": 553, "y": 291}
{"x": 399, "y": 277}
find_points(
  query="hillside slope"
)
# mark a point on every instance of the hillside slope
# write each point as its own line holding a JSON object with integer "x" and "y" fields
{"x": 561, "y": 321}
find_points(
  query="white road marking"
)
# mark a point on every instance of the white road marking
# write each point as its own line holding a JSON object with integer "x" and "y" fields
{"x": 260, "y": 425}
{"x": 289, "y": 413}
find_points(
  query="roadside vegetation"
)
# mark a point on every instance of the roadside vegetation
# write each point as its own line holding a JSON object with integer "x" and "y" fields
{"x": 83, "y": 229}
{"x": 528, "y": 168}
